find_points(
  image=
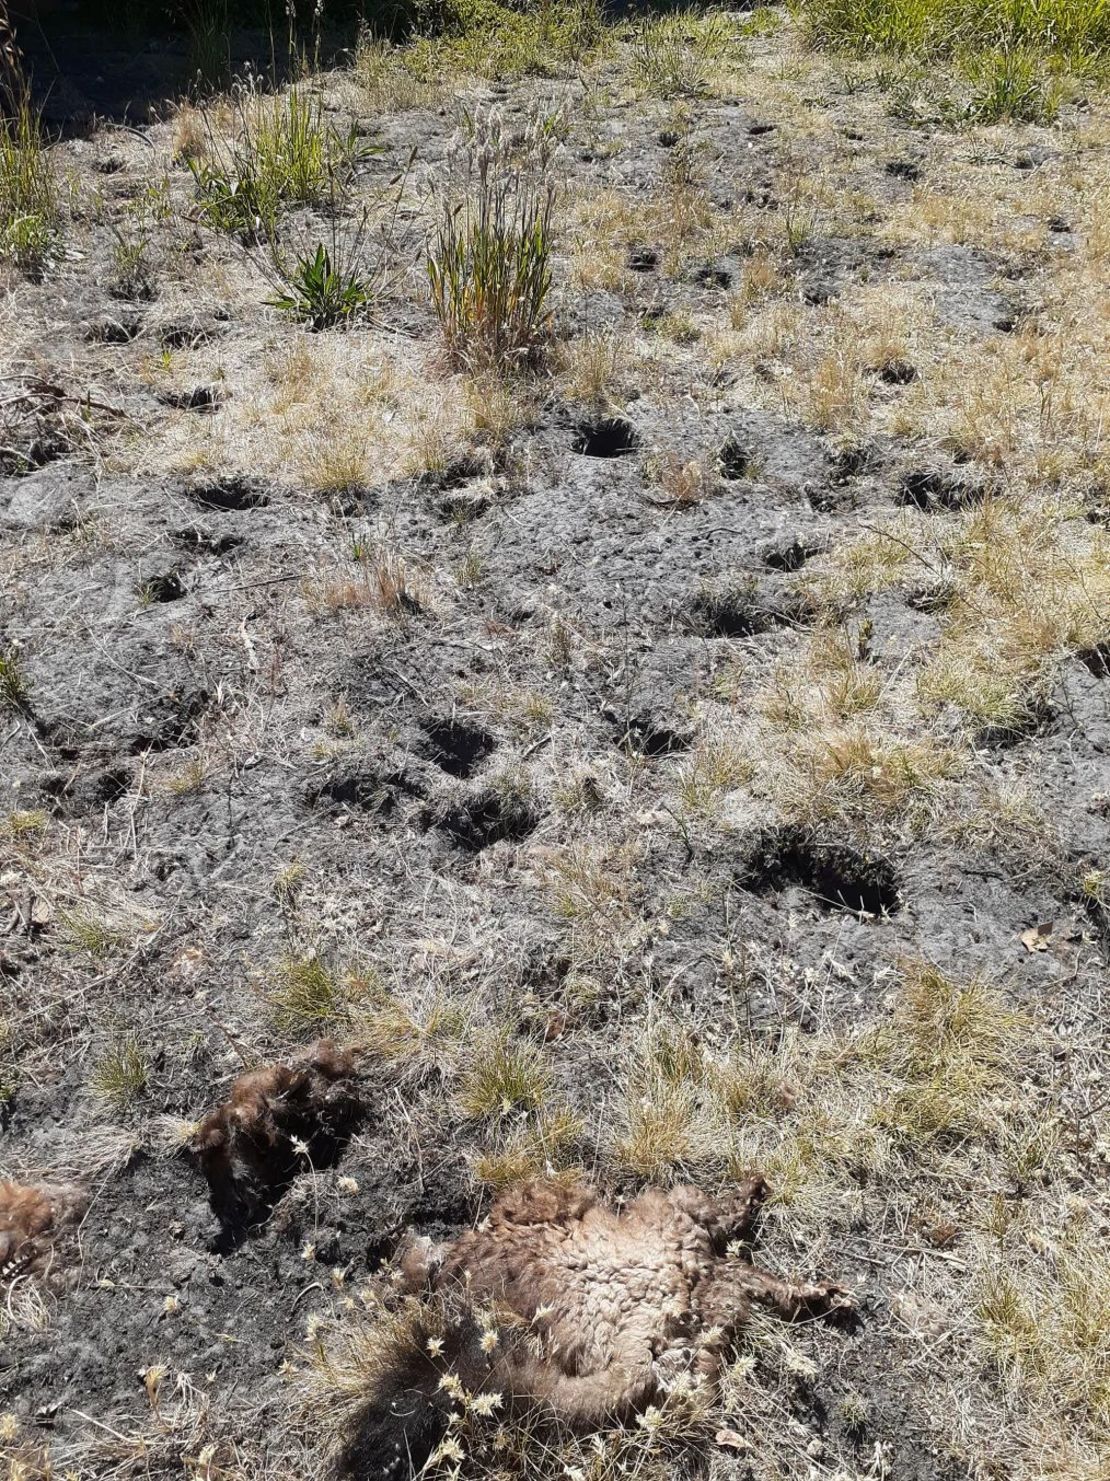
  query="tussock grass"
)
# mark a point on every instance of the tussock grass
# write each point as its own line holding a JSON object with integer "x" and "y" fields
{"x": 121, "y": 1073}
{"x": 306, "y": 995}
{"x": 1012, "y": 53}
{"x": 489, "y": 39}
{"x": 507, "y": 1075}
{"x": 681, "y": 54}
{"x": 29, "y": 208}
{"x": 944, "y": 28}
{"x": 13, "y": 683}
{"x": 281, "y": 151}
{"x": 1025, "y": 585}
{"x": 489, "y": 262}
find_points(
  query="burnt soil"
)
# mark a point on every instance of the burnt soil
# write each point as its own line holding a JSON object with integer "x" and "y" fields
{"x": 234, "y": 777}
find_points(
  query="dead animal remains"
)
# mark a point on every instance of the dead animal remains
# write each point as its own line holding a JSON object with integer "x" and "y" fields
{"x": 31, "y": 1221}
{"x": 276, "y": 1121}
{"x": 558, "y": 1302}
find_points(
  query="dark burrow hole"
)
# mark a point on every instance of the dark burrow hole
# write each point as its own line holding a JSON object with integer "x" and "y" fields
{"x": 1004, "y": 734}
{"x": 608, "y": 437}
{"x": 230, "y": 494}
{"x": 488, "y": 817}
{"x": 185, "y": 334}
{"x": 936, "y": 596}
{"x": 109, "y": 786}
{"x": 791, "y": 555}
{"x": 930, "y": 490}
{"x": 453, "y": 475}
{"x": 840, "y": 878}
{"x": 368, "y": 791}
{"x": 1096, "y": 659}
{"x": 179, "y": 725}
{"x": 204, "y": 542}
{"x": 457, "y": 747}
{"x": 643, "y": 259}
{"x": 903, "y": 169}
{"x": 734, "y": 459}
{"x": 756, "y": 129}
{"x": 114, "y": 330}
{"x": 252, "y": 1172}
{"x": 460, "y": 506}
{"x": 648, "y": 735}
{"x": 896, "y": 372}
{"x": 94, "y": 789}
{"x": 736, "y": 613}
{"x": 167, "y": 586}
{"x": 854, "y": 462}
{"x": 713, "y": 275}
{"x": 196, "y": 398}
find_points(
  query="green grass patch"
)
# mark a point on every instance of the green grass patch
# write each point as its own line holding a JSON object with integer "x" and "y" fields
{"x": 29, "y": 217}
{"x": 1010, "y": 57}
{"x": 545, "y": 39}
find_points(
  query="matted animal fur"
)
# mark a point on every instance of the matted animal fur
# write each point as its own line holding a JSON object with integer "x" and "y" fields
{"x": 31, "y": 1220}
{"x": 250, "y": 1146}
{"x": 597, "y": 1312}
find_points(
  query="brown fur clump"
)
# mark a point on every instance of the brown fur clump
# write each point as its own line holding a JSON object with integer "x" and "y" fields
{"x": 31, "y": 1219}
{"x": 604, "y": 1310}
{"x": 275, "y": 1122}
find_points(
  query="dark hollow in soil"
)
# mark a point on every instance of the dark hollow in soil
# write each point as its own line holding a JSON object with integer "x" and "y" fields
{"x": 196, "y": 398}
{"x": 488, "y": 817}
{"x": 1097, "y": 660}
{"x": 165, "y": 587}
{"x": 643, "y": 259}
{"x": 840, "y": 877}
{"x": 854, "y": 462}
{"x": 648, "y": 735}
{"x": 734, "y": 460}
{"x": 734, "y": 614}
{"x": 931, "y": 490}
{"x": 457, "y": 747}
{"x": 896, "y": 372}
{"x": 607, "y": 437}
{"x": 230, "y": 494}
{"x": 278, "y": 1121}
{"x": 791, "y": 556}
{"x": 453, "y": 475}
{"x": 365, "y": 789}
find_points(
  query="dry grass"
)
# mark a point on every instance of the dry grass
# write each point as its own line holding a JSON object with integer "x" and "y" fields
{"x": 588, "y": 1000}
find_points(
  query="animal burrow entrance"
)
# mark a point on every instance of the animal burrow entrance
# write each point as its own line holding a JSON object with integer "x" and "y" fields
{"x": 167, "y": 586}
{"x": 455, "y": 474}
{"x": 648, "y": 735}
{"x": 607, "y": 437}
{"x": 643, "y": 259}
{"x": 366, "y": 790}
{"x": 930, "y": 490}
{"x": 791, "y": 555}
{"x": 736, "y": 613}
{"x": 457, "y": 747}
{"x": 230, "y": 494}
{"x": 490, "y": 816}
{"x": 176, "y": 723}
{"x": 839, "y": 877}
{"x": 1097, "y": 660}
{"x": 734, "y": 460}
